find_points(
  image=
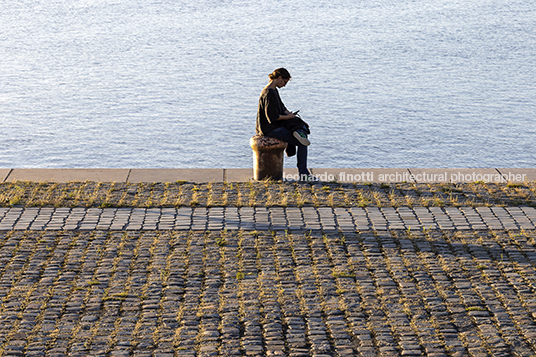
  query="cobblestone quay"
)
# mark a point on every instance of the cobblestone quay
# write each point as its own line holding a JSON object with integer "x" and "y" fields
{"x": 262, "y": 280}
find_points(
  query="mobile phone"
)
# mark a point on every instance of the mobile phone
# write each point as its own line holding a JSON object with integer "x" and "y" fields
{"x": 296, "y": 112}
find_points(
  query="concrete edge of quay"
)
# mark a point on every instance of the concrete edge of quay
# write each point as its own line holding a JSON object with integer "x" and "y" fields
{"x": 342, "y": 175}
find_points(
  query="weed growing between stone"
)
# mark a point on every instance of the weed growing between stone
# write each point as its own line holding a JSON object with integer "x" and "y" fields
{"x": 263, "y": 194}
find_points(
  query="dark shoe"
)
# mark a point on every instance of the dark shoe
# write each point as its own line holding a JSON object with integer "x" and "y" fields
{"x": 308, "y": 178}
{"x": 302, "y": 138}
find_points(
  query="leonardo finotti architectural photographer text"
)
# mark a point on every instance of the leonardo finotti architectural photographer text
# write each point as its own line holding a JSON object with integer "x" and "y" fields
{"x": 405, "y": 176}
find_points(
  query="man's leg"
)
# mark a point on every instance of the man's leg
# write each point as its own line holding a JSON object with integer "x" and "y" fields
{"x": 302, "y": 160}
{"x": 287, "y": 136}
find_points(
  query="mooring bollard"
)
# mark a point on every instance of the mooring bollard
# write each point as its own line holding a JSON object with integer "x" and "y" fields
{"x": 267, "y": 157}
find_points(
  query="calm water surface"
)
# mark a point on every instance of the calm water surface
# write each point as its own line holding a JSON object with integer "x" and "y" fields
{"x": 175, "y": 83}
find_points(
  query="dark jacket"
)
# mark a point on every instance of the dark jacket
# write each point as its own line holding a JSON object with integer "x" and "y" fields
{"x": 296, "y": 124}
{"x": 269, "y": 110}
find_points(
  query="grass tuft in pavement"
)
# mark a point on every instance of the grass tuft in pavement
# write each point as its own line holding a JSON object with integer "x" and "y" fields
{"x": 263, "y": 194}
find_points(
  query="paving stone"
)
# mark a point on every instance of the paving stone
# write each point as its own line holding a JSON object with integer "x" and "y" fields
{"x": 262, "y": 218}
{"x": 232, "y": 218}
{"x": 249, "y": 218}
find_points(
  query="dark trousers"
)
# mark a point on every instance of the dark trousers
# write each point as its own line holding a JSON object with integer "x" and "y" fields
{"x": 286, "y": 135}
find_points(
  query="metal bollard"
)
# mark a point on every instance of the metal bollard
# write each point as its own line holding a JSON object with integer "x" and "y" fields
{"x": 268, "y": 156}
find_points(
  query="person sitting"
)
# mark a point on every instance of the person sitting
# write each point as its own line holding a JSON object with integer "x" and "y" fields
{"x": 276, "y": 121}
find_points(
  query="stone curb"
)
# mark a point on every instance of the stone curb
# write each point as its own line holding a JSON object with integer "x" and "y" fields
{"x": 244, "y": 175}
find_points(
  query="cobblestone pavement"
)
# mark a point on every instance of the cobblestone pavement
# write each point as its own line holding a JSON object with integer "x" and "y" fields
{"x": 267, "y": 269}
{"x": 272, "y": 218}
{"x": 268, "y": 293}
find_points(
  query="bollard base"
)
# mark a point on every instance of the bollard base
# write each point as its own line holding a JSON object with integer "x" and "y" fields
{"x": 268, "y": 154}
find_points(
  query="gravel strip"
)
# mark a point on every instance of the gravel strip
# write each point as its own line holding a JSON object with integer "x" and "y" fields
{"x": 264, "y": 194}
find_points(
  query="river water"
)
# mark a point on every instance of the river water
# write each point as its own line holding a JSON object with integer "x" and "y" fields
{"x": 175, "y": 83}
